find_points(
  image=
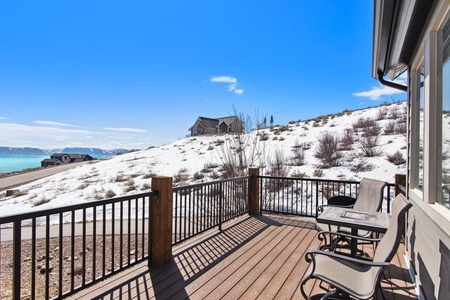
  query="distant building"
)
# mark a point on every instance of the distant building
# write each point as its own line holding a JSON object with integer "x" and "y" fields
{"x": 64, "y": 158}
{"x": 205, "y": 125}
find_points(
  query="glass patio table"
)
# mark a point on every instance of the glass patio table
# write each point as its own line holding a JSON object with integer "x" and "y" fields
{"x": 355, "y": 220}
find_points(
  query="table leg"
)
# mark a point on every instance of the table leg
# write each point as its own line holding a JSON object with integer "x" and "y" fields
{"x": 353, "y": 243}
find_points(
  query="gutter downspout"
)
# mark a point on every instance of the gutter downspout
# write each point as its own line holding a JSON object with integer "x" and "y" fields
{"x": 391, "y": 84}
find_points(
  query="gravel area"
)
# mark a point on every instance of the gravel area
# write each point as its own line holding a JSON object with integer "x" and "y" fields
{"x": 82, "y": 266}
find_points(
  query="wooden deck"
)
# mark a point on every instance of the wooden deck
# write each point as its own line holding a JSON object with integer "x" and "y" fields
{"x": 251, "y": 258}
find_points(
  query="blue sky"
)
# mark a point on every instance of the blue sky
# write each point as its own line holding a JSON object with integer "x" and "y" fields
{"x": 133, "y": 74}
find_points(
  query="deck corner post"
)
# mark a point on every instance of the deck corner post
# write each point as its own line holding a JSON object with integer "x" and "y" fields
{"x": 254, "y": 206}
{"x": 161, "y": 220}
{"x": 400, "y": 180}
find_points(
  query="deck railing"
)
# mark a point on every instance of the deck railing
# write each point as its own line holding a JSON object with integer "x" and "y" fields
{"x": 199, "y": 207}
{"x": 57, "y": 252}
{"x": 302, "y": 196}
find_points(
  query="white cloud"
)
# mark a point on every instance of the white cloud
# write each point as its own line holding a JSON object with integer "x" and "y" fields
{"x": 3, "y": 118}
{"x": 377, "y": 92}
{"x": 223, "y": 79}
{"x": 46, "y": 137}
{"x": 126, "y": 129}
{"x": 12, "y": 129}
{"x": 232, "y": 87}
{"x": 51, "y": 123}
{"x": 380, "y": 90}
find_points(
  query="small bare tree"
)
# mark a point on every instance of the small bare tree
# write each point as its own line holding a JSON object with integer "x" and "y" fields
{"x": 328, "y": 150}
{"x": 241, "y": 150}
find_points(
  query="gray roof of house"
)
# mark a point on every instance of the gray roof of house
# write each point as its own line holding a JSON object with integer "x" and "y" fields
{"x": 214, "y": 122}
{"x": 50, "y": 160}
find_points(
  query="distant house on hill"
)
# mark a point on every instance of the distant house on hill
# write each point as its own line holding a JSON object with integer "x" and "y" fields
{"x": 205, "y": 125}
{"x": 64, "y": 158}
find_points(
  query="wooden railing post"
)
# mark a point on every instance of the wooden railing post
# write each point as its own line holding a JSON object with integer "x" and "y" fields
{"x": 400, "y": 179}
{"x": 161, "y": 220}
{"x": 254, "y": 192}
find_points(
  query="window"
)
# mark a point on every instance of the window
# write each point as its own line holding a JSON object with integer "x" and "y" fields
{"x": 446, "y": 116}
{"x": 421, "y": 130}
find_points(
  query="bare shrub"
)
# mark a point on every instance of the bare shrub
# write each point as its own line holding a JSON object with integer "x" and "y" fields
{"x": 298, "y": 174}
{"x": 381, "y": 113}
{"x": 120, "y": 178}
{"x": 389, "y": 128}
{"x": 298, "y": 157}
{"x": 361, "y": 165}
{"x": 362, "y": 123}
{"x": 198, "y": 176}
{"x": 369, "y": 145}
{"x": 110, "y": 194}
{"x": 181, "y": 176}
{"x": 83, "y": 185}
{"x": 146, "y": 186}
{"x": 396, "y": 158}
{"x": 130, "y": 188}
{"x": 328, "y": 150}
{"x": 218, "y": 142}
{"x": 394, "y": 113}
{"x": 277, "y": 166}
{"x": 318, "y": 173}
{"x": 148, "y": 175}
{"x": 401, "y": 128}
{"x": 264, "y": 136}
{"x": 215, "y": 175}
{"x": 347, "y": 140}
{"x": 210, "y": 166}
{"x": 374, "y": 130}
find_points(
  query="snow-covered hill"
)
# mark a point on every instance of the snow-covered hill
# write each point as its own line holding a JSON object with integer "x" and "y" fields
{"x": 200, "y": 159}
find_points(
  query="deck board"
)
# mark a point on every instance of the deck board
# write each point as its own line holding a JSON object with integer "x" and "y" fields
{"x": 251, "y": 258}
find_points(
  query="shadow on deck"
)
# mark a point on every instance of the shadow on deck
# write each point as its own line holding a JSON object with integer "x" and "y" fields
{"x": 251, "y": 258}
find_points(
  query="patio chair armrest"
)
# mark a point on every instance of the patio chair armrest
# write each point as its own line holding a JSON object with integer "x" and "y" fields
{"x": 340, "y": 200}
{"x": 321, "y": 236}
{"x": 320, "y": 208}
{"x": 309, "y": 256}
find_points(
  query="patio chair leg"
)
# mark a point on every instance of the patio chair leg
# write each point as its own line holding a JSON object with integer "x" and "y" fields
{"x": 381, "y": 290}
{"x": 339, "y": 295}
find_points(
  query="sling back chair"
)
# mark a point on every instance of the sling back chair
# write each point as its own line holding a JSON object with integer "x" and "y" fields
{"x": 357, "y": 277}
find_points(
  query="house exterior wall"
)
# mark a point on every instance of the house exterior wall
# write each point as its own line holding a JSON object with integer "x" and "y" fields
{"x": 428, "y": 223}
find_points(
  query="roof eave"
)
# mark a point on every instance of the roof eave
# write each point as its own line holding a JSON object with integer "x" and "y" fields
{"x": 398, "y": 26}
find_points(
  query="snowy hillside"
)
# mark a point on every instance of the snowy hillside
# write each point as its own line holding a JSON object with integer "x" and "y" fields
{"x": 201, "y": 158}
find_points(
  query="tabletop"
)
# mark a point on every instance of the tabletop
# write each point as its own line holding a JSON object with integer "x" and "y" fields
{"x": 347, "y": 217}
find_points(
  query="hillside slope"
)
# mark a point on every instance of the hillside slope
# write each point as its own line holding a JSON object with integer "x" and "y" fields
{"x": 201, "y": 158}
